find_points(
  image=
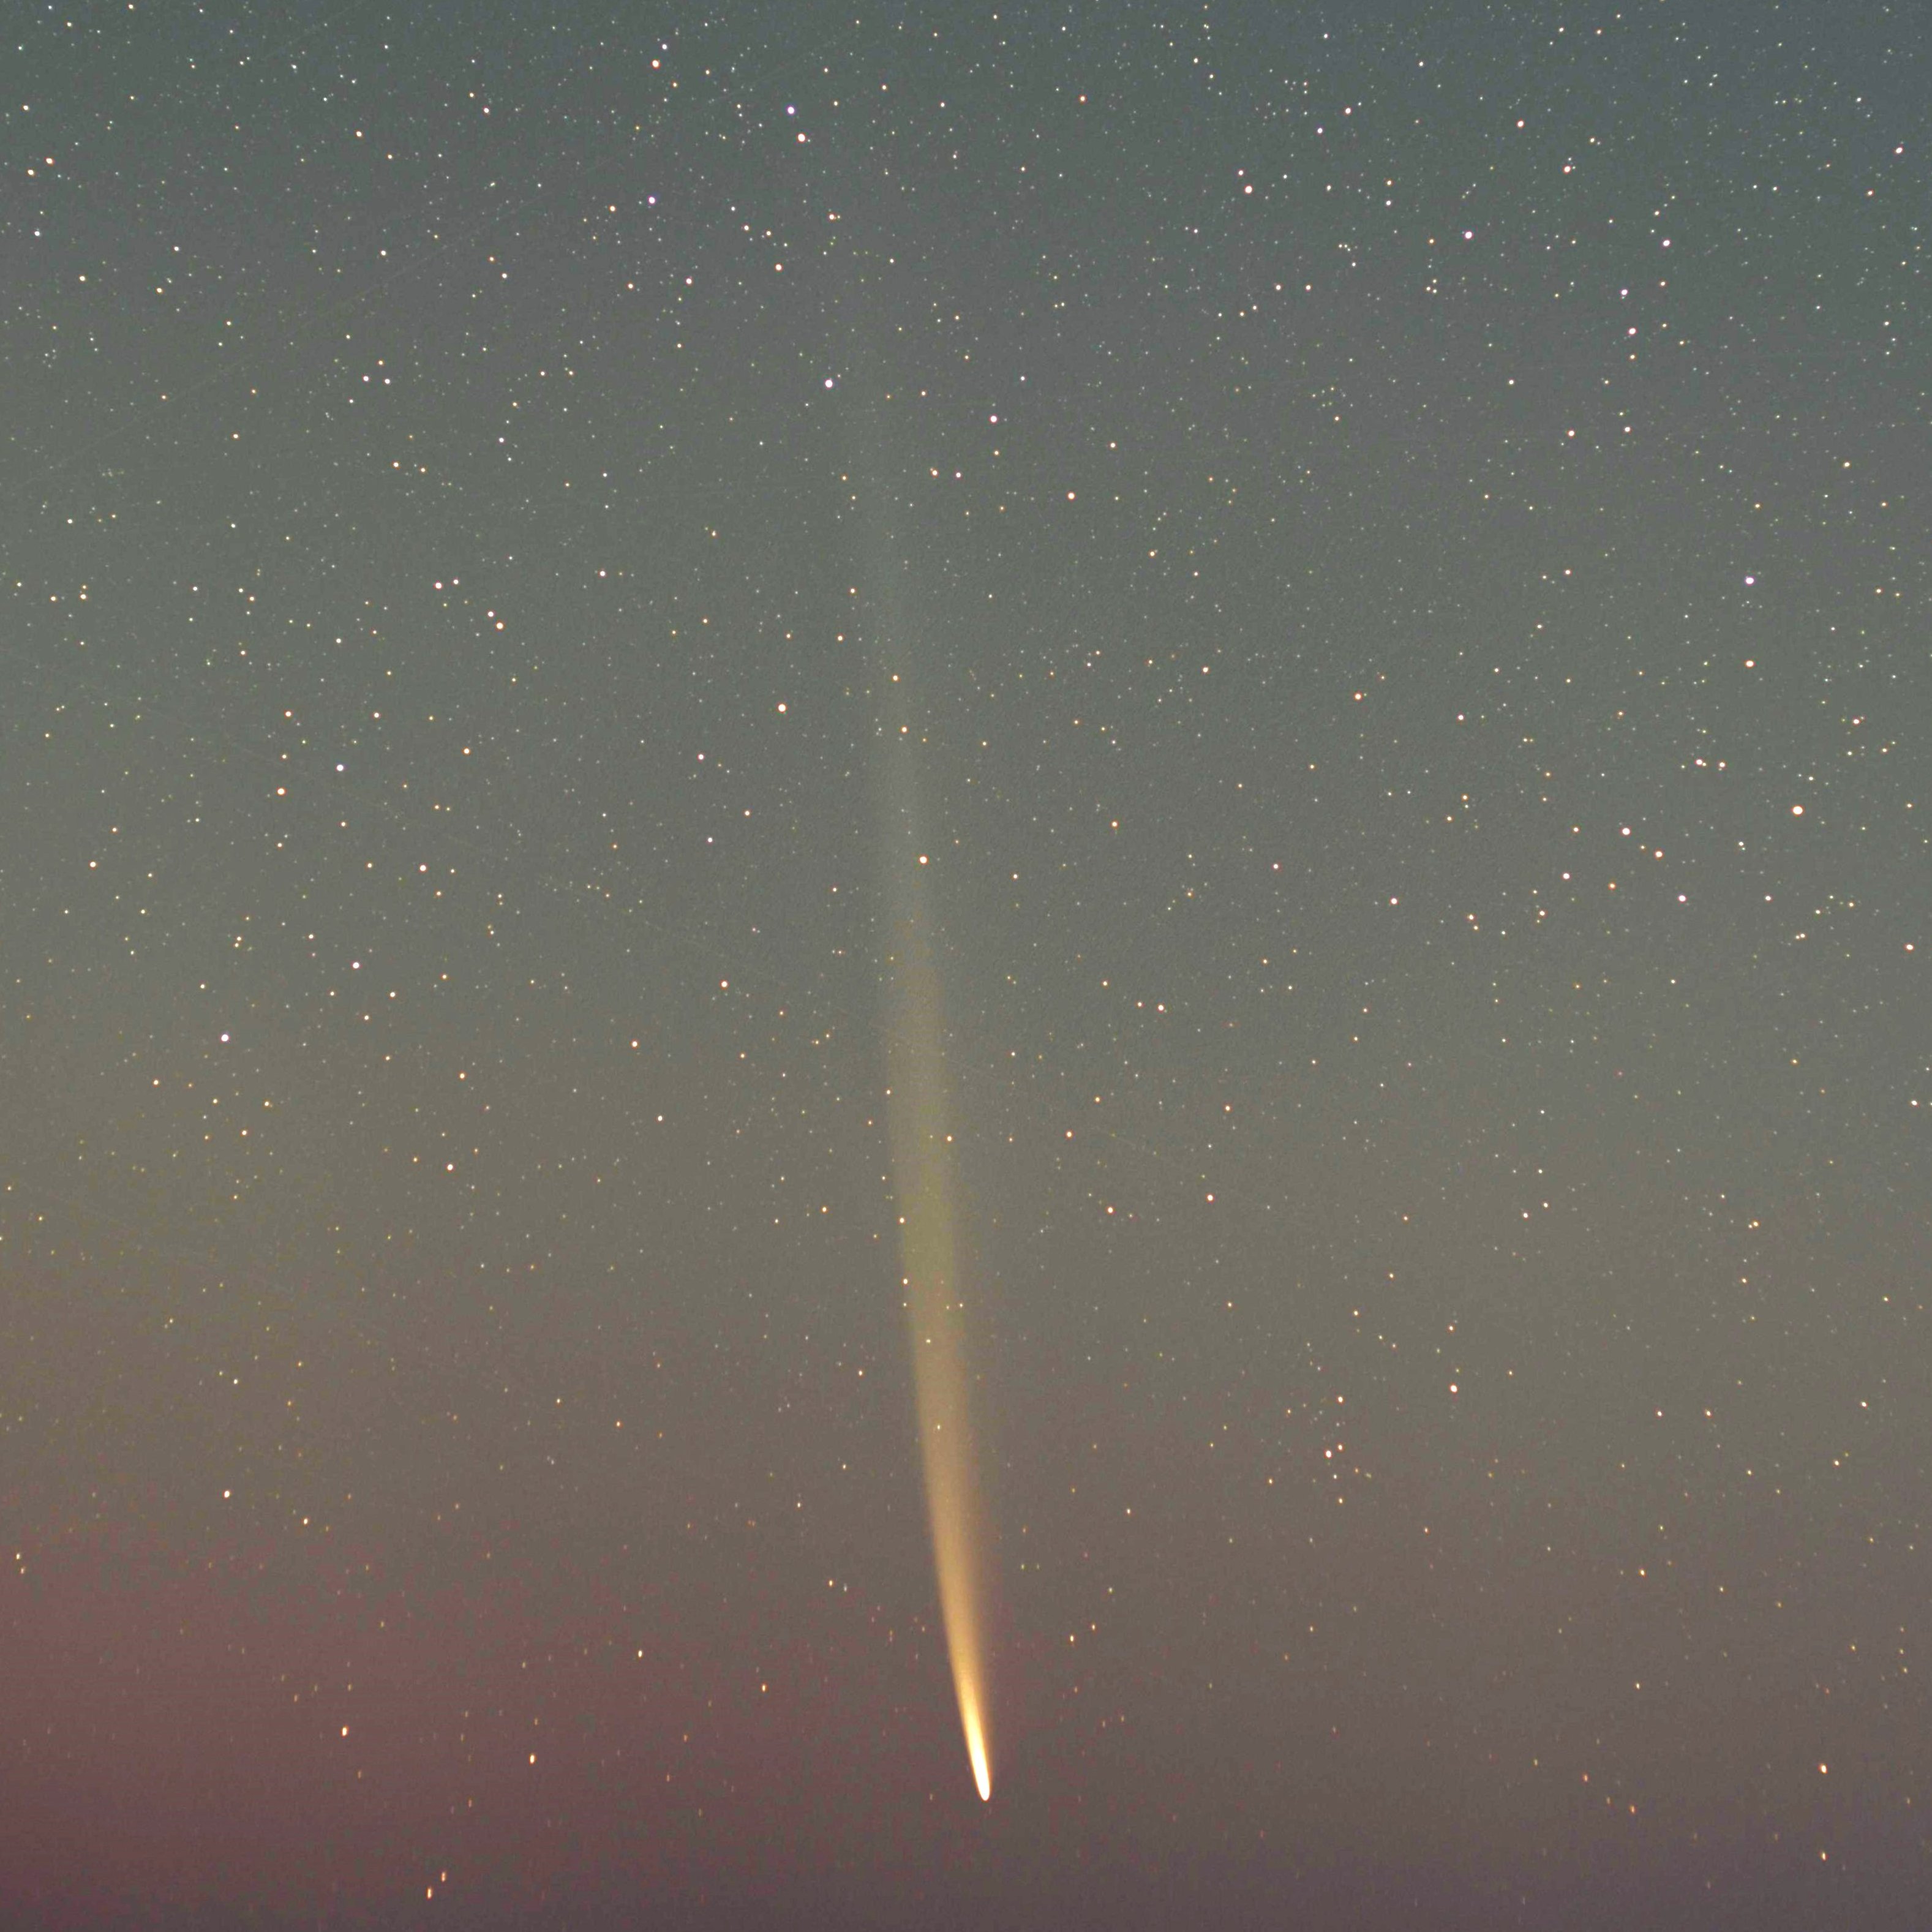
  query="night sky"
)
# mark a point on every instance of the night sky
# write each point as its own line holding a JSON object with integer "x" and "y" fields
{"x": 1379, "y": 555}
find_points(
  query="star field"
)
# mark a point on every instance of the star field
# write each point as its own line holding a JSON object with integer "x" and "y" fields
{"x": 1405, "y": 537}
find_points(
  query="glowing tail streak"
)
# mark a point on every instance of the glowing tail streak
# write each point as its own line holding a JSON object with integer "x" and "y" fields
{"x": 922, "y": 1181}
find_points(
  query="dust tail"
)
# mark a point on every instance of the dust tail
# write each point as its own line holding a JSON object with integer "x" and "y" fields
{"x": 923, "y": 1169}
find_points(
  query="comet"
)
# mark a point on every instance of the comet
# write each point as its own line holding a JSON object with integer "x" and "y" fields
{"x": 923, "y": 1157}
{"x": 925, "y": 1191}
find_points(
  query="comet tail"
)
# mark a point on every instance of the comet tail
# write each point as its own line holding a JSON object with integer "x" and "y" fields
{"x": 923, "y": 1183}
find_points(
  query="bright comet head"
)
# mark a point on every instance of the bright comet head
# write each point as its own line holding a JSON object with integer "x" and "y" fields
{"x": 975, "y": 1749}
